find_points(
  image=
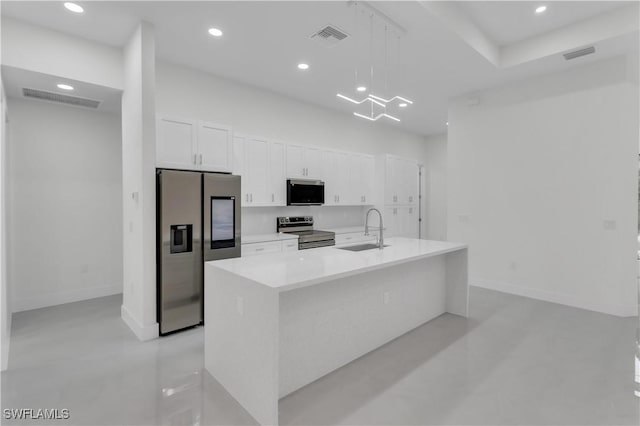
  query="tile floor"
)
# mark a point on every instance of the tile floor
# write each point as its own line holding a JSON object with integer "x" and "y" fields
{"x": 514, "y": 361}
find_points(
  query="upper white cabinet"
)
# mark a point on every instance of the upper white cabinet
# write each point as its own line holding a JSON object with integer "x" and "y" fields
{"x": 176, "y": 143}
{"x": 215, "y": 147}
{"x": 348, "y": 178}
{"x": 362, "y": 176}
{"x": 261, "y": 164}
{"x": 401, "y": 181}
{"x": 304, "y": 162}
{"x": 193, "y": 145}
{"x": 335, "y": 173}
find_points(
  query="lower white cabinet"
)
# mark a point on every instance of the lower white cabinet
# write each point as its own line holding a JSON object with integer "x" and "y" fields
{"x": 401, "y": 221}
{"x": 290, "y": 245}
{"x": 356, "y": 237}
{"x": 253, "y": 249}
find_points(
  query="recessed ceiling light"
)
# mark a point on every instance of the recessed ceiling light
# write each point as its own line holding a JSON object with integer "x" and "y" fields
{"x": 447, "y": 123}
{"x": 75, "y": 8}
{"x": 215, "y": 32}
{"x": 303, "y": 66}
{"x": 541, "y": 9}
{"x": 402, "y": 105}
{"x": 65, "y": 86}
{"x": 361, "y": 88}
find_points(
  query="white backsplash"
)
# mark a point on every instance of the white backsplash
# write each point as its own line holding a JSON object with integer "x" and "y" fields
{"x": 262, "y": 220}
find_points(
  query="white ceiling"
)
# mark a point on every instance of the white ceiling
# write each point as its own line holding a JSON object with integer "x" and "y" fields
{"x": 264, "y": 41}
{"x": 508, "y": 22}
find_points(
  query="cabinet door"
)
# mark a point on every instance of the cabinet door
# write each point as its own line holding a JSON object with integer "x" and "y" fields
{"x": 176, "y": 144}
{"x": 391, "y": 181}
{"x": 295, "y": 162}
{"x": 407, "y": 222}
{"x": 391, "y": 222}
{"x": 410, "y": 183}
{"x": 367, "y": 173}
{"x": 341, "y": 178}
{"x": 277, "y": 178}
{"x": 331, "y": 184}
{"x": 214, "y": 148}
{"x": 313, "y": 163}
{"x": 238, "y": 167}
{"x": 256, "y": 172}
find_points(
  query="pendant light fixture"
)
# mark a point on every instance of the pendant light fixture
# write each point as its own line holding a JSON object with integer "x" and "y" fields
{"x": 377, "y": 103}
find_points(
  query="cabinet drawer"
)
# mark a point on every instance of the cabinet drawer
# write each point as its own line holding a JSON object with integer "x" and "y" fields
{"x": 355, "y": 237}
{"x": 290, "y": 245}
{"x": 261, "y": 248}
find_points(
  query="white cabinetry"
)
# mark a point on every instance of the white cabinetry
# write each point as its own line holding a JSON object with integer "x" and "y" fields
{"x": 401, "y": 221}
{"x": 401, "y": 181}
{"x": 193, "y": 145}
{"x": 303, "y": 162}
{"x": 252, "y": 249}
{"x": 336, "y": 173}
{"x": 215, "y": 147}
{"x": 176, "y": 144}
{"x": 356, "y": 237}
{"x": 348, "y": 178}
{"x": 361, "y": 168}
{"x": 401, "y": 196}
{"x": 261, "y": 165}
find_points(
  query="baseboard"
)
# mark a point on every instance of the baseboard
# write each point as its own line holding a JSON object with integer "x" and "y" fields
{"x": 143, "y": 333}
{"x": 58, "y": 298}
{"x": 630, "y": 310}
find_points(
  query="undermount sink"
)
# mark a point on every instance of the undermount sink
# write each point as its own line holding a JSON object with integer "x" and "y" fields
{"x": 361, "y": 247}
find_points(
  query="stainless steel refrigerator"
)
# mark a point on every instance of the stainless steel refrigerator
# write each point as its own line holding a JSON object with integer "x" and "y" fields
{"x": 198, "y": 220}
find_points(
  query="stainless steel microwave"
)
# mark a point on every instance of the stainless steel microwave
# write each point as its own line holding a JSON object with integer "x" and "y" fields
{"x": 304, "y": 192}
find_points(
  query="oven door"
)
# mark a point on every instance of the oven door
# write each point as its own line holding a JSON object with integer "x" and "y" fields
{"x": 302, "y": 192}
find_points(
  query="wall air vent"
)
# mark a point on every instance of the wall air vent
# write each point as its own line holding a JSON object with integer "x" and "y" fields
{"x": 577, "y": 53}
{"x": 329, "y": 35}
{"x": 57, "y": 97}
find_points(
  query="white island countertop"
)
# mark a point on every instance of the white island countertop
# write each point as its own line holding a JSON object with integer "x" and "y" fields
{"x": 290, "y": 270}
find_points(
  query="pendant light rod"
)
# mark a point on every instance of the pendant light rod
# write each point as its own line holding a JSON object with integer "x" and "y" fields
{"x": 375, "y": 11}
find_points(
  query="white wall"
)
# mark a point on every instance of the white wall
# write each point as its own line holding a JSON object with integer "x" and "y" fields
{"x": 542, "y": 184}
{"x": 186, "y": 93}
{"x": 65, "y": 214}
{"x": 5, "y": 294}
{"x": 138, "y": 184}
{"x": 435, "y": 193}
{"x": 50, "y": 52}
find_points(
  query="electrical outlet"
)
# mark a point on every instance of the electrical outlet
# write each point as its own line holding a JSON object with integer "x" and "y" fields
{"x": 463, "y": 218}
{"x": 609, "y": 224}
{"x": 240, "y": 305}
{"x": 385, "y": 297}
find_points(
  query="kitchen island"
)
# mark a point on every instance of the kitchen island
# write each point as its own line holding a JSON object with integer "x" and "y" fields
{"x": 276, "y": 322}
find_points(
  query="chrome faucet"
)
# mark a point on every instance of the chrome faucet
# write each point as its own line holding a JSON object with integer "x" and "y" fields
{"x": 366, "y": 227}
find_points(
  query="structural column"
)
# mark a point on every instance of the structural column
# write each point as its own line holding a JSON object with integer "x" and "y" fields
{"x": 138, "y": 184}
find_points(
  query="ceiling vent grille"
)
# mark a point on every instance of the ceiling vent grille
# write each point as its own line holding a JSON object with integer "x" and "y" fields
{"x": 329, "y": 35}
{"x": 57, "y": 97}
{"x": 577, "y": 53}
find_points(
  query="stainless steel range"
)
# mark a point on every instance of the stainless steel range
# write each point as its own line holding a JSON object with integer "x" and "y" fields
{"x": 302, "y": 226}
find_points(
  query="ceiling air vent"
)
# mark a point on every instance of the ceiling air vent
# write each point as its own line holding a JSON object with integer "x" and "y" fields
{"x": 329, "y": 36}
{"x": 577, "y": 53}
{"x": 57, "y": 97}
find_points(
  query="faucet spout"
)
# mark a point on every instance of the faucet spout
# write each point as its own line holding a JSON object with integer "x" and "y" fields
{"x": 366, "y": 227}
